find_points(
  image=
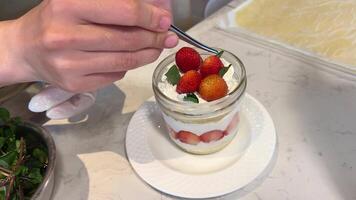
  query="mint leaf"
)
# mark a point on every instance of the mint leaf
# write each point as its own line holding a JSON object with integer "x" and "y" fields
{"x": 220, "y": 53}
{"x": 35, "y": 176}
{"x": 4, "y": 164}
{"x": 28, "y": 170}
{"x": 173, "y": 75}
{"x": 40, "y": 155}
{"x": 8, "y": 159}
{"x": 191, "y": 97}
{"x": 21, "y": 170}
{"x": 223, "y": 70}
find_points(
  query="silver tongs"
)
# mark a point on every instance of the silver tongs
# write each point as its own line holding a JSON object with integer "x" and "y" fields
{"x": 185, "y": 37}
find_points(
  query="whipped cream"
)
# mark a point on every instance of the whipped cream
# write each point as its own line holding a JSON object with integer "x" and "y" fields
{"x": 170, "y": 90}
{"x": 198, "y": 128}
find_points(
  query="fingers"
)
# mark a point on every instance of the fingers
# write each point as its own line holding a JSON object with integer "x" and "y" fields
{"x": 84, "y": 63}
{"x": 124, "y": 13}
{"x": 90, "y": 82}
{"x": 111, "y": 38}
{"x": 78, "y": 71}
{"x": 120, "y": 61}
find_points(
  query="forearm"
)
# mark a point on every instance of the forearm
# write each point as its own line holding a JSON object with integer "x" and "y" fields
{"x": 12, "y": 68}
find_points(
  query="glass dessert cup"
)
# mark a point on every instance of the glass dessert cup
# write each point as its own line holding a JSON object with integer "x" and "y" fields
{"x": 202, "y": 128}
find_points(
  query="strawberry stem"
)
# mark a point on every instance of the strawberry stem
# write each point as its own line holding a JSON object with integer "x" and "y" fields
{"x": 220, "y": 53}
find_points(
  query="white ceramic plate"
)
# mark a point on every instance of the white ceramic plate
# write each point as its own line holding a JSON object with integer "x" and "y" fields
{"x": 160, "y": 163}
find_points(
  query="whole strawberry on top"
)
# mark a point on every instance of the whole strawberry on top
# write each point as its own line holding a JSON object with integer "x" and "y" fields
{"x": 197, "y": 80}
{"x": 213, "y": 87}
{"x": 188, "y": 59}
{"x": 211, "y": 65}
{"x": 189, "y": 82}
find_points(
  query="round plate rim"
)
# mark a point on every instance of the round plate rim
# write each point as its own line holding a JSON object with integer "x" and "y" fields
{"x": 145, "y": 179}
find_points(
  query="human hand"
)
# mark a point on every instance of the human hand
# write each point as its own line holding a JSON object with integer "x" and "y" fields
{"x": 83, "y": 45}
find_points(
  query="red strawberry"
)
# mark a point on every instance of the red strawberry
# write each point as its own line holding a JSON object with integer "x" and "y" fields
{"x": 188, "y": 59}
{"x": 211, "y": 65}
{"x": 189, "y": 82}
{"x": 188, "y": 137}
{"x": 213, "y": 87}
{"x": 212, "y": 136}
{"x": 233, "y": 124}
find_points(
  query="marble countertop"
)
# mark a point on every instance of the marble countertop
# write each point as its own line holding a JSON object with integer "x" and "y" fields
{"x": 314, "y": 112}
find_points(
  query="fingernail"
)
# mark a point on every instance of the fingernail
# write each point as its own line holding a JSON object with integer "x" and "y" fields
{"x": 165, "y": 23}
{"x": 171, "y": 41}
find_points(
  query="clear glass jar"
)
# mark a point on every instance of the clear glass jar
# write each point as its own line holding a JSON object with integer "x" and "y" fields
{"x": 207, "y": 127}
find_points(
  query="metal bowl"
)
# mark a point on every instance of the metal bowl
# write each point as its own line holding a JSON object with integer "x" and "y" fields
{"x": 44, "y": 191}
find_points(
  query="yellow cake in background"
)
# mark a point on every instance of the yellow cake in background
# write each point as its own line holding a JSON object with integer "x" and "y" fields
{"x": 325, "y": 27}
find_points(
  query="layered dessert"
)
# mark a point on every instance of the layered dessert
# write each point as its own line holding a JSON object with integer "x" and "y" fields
{"x": 199, "y": 95}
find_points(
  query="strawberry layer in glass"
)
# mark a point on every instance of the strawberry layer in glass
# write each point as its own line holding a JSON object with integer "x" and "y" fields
{"x": 203, "y": 138}
{"x": 207, "y": 126}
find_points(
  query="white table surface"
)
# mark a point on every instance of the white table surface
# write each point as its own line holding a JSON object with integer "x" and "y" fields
{"x": 314, "y": 112}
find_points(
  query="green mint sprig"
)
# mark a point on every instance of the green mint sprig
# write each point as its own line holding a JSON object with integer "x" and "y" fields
{"x": 173, "y": 75}
{"x": 191, "y": 97}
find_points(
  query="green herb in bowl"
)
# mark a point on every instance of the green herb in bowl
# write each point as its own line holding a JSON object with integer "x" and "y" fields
{"x": 23, "y": 159}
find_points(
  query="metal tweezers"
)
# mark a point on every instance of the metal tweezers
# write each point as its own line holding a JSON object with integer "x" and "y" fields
{"x": 185, "y": 37}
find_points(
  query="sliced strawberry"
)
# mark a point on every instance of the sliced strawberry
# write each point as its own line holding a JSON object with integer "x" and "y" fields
{"x": 213, "y": 87}
{"x": 211, "y": 65}
{"x": 188, "y": 137}
{"x": 225, "y": 133}
{"x": 233, "y": 124}
{"x": 188, "y": 59}
{"x": 212, "y": 136}
{"x": 189, "y": 82}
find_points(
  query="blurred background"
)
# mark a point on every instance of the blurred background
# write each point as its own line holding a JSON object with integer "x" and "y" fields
{"x": 186, "y": 12}
{"x": 189, "y": 12}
